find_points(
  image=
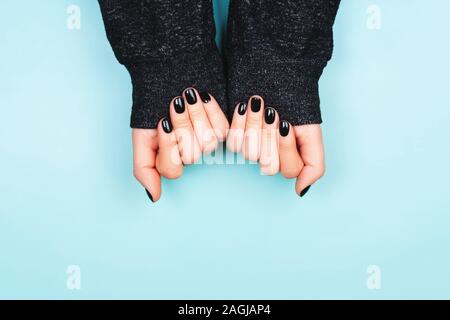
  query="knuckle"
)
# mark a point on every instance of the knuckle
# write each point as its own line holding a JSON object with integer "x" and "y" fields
{"x": 196, "y": 112}
{"x": 136, "y": 173}
{"x": 220, "y": 136}
{"x": 210, "y": 147}
{"x": 269, "y": 169}
{"x": 182, "y": 123}
{"x": 172, "y": 173}
{"x": 190, "y": 157}
{"x": 254, "y": 122}
{"x": 188, "y": 161}
{"x": 196, "y": 156}
{"x": 321, "y": 171}
{"x": 251, "y": 155}
{"x": 233, "y": 144}
{"x": 289, "y": 174}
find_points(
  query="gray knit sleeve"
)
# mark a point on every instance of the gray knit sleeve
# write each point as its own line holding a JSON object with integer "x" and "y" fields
{"x": 278, "y": 49}
{"x": 166, "y": 46}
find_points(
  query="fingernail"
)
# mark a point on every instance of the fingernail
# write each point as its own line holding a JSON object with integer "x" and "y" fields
{"x": 269, "y": 115}
{"x": 256, "y": 104}
{"x": 149, "y": 195}
{"x": 304, "y": 191}
{"x": 167, "y": 126}
{"x": 284, "y": 128}
{"x": 191, "y": 97}
{"x": 205, "y": 97}
{"x": 242, "y": 108}
{"x": 179, "y": 105}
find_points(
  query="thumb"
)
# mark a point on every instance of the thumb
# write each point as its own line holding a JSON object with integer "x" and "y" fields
{"x": 145, "y": 146}
{"x": 310, "y": 143}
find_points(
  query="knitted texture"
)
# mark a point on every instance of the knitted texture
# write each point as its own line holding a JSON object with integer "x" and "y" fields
{"x": 167, "y": 46}
{"x": 278, "y": 49}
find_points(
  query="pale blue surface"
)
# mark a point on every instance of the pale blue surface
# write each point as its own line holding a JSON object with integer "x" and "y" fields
{"x": 68, "y": 196}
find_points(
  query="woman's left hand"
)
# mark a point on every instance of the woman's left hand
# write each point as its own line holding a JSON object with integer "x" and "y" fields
{"x": 296, "y": 151}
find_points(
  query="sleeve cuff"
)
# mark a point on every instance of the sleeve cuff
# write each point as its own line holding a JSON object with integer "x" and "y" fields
{"x": 289, "y": 86}
{"x": 157, "y": 82}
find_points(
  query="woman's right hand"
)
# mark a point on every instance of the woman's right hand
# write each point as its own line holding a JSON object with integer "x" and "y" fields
{"x": 195, "y": 126}
{"x": 296, "y": 151}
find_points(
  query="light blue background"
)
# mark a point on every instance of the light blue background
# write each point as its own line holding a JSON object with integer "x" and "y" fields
{"x": 68, "y": 196}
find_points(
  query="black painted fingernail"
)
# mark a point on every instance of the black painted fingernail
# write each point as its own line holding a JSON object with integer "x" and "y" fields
{"x": 269, "y": 115}
{"x": 284, "y": 128}
{"x": 205, "y": 97}
{"x": 167, "y": 126}
{"x": 149, "y": 195}
{"x": 191, "y": 97}
{"x": 242, "y": 108}
{"x": 179, "y": 105}
{"x": 256, "y": 104}
{"x": 304, "y": 191}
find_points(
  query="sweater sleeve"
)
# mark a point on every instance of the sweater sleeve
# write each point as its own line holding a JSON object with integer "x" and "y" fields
{"x": 166, "y": 46}
{"x": 278, "y": 49}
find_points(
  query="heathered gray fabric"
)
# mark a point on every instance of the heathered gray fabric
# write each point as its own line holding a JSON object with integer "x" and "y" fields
{"x": 275, "y": 48}
{"x": 278, "y": 49}
{"x": 167, "y": 46}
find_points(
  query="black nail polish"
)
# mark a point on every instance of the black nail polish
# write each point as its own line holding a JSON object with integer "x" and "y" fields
{"x": 242, "y": 108}
{"x": 284, "y": 128}
{"x": 191, "y": 97}
{"x": 205, "y": 97}
{"x": 304, "y": 191}
{"x": 256, "y": 104}
{"x": 269, "y": 115}
{"x": 149, "y": 195}
{"x": 167, "y": 126}
{"x": 179, "y": 105}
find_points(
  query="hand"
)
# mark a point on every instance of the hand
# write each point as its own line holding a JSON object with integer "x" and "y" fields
{"x": 196, "y": 125}
{"x": 297, "y": 151}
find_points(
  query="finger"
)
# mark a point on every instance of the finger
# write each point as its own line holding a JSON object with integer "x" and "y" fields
{"x": 252, "y": 136}
{"x": 237, "y": 129}
{"x": 187, "y": 142}
{"x": 168, "y": 160}
{"x": 310, "y": 142}
{"x": 269, "y": 160}
{"x": 215, "y": 115}
{"x": 145, "y": 145}
{"x": 290, "y": 161}
{"x": 203, "y": 130}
